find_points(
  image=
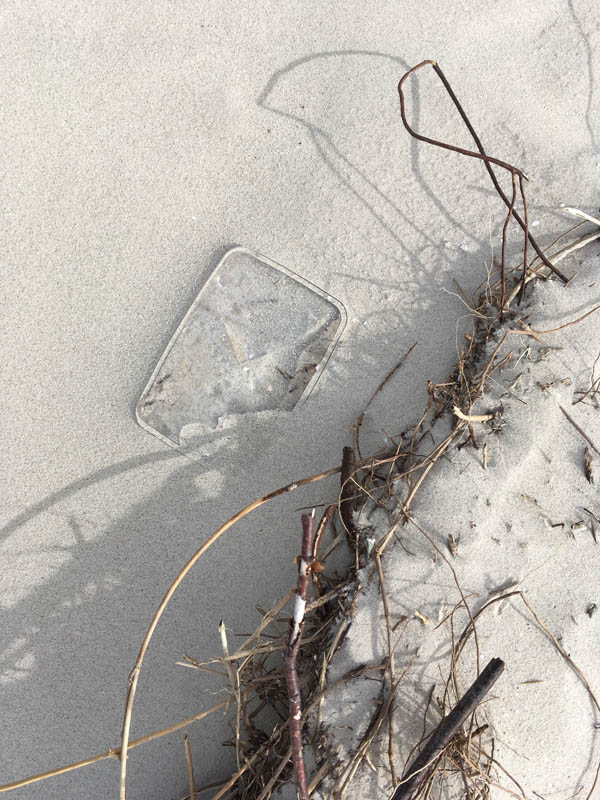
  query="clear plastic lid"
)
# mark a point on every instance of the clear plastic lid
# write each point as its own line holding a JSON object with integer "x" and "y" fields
{"x": 255, "y": 339}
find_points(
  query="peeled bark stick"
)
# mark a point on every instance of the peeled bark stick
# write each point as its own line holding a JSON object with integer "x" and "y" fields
{"x": 446, "y": 730}
{"x": 291, "y": 676}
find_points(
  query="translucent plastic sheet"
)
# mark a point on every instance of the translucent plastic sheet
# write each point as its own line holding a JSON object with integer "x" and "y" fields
{"x": 255, "y": 339}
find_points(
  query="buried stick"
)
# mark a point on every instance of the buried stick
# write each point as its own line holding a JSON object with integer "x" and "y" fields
{"x": 447, "y": 729}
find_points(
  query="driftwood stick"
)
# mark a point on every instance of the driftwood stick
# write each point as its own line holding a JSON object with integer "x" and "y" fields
{"x": 291, "y": 675}
{"x": 448, "y": 728}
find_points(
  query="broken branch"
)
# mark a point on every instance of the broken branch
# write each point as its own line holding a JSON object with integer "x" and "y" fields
{"x": 291, "y": 675}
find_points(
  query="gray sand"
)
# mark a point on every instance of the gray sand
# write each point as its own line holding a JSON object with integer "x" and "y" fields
{"x": 142, "y": 140}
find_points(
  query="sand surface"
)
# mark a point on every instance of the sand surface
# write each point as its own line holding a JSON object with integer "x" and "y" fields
{"x": 141, "y": 141}
{"x": 516, "y": 516}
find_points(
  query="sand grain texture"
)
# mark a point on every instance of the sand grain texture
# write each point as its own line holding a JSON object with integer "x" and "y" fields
{"x": 140, "y": 141}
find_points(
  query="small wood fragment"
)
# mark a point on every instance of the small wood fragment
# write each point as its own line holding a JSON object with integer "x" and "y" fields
{"x": 587, "y": 465}
{"x": 453, "y": 544}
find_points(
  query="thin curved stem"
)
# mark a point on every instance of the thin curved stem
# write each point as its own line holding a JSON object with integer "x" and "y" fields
{"x": 135, "y": 672}
{"x": 481, "y": 154}
{"x": 114, "y": 752}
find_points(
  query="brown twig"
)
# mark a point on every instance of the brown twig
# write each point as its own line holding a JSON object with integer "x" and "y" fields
{"x": 532, "y": 331}
{"x": 234, "y": 679}
{"x": 481, "y": 155}
{"x": 488, "y": 160}
{"x": 580, "y": 429}
{"x": 114, "y": 751}
{"x": 321, "y": 527}
{"x": 354, "y": 673}
{"x": 347, "y": 501}
{"x": 359, "y": 420}
{"x": 190, "y": 766}
{"x": 135, "y": 672}
{"x": 525, "y": 242}
{"x": 390, "y": 375}
{"x": 347, "y": 489}
{"x": 295, "y": 636}
{"x": 503, "y": 251}
{"x": 391, "y": 666}
{"x": 447, "y": 729}
{"x": 594, "y": 384}
{"x": 430, "y": 462}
